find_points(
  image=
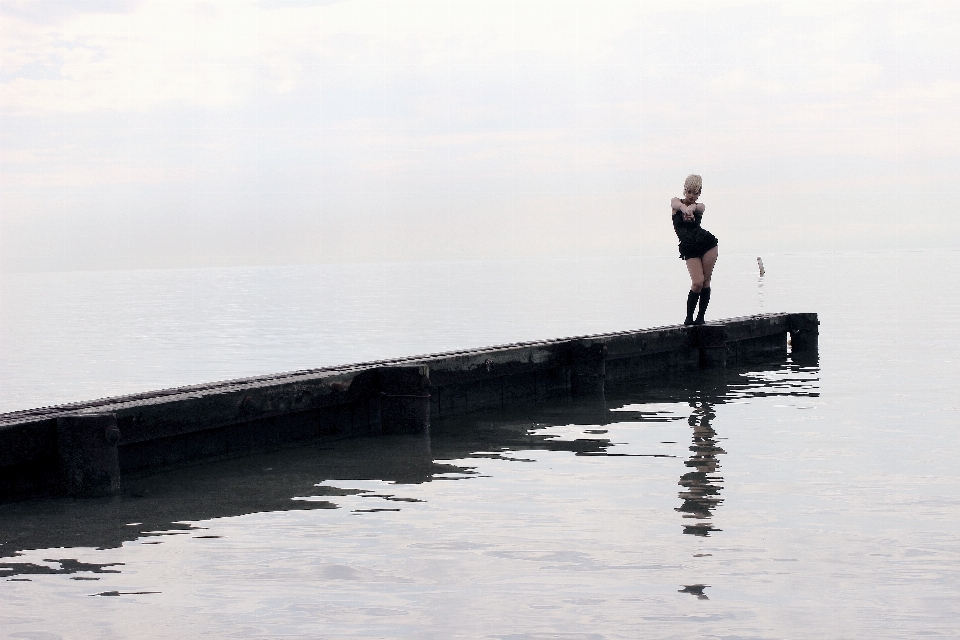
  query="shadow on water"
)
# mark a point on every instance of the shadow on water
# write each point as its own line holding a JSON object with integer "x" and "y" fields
{"x": 170, "y": 502}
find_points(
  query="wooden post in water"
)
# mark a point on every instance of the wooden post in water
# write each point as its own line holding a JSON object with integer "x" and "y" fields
{"x": 588, "y": 366}
{"x": 404, "y": 399}
{"x": 87, "y": 451}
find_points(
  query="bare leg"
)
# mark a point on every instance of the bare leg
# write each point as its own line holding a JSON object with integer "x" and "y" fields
{"x": 695, "y": 268}
{"x": 709, "y": 261}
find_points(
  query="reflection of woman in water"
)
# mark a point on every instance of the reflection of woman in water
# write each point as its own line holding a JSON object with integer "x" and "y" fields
{"x": 701, "y": 487}
{"x": 698, "y": 247}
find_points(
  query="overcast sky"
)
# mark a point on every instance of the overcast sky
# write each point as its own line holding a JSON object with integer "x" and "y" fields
{"x": 162, "y": 134}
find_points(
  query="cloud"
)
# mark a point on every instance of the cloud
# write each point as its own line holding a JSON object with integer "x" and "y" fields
{"x": 376, "y": 130}
{"x": 212, "y": 54}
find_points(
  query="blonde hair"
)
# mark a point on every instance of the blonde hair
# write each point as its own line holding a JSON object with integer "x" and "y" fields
{"x": 693, "y": 183}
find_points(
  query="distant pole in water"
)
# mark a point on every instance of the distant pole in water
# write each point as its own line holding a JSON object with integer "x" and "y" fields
{"x": 760, "y": 283}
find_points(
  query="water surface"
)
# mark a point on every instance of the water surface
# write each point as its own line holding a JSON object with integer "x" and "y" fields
{"x": 788, "y": 499}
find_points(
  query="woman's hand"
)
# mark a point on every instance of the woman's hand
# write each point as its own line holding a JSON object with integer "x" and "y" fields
{"x": 692, "y": 209}
{"x": 686, "y": 209}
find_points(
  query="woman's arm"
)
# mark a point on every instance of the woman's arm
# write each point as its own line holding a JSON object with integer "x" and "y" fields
{"x": 676, "y": 205}
{"x": 685, "y": 209}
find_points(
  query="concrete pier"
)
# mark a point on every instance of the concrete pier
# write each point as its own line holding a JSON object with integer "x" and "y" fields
{"x": 89, "y": 461}
{"x": 70, "y": 449}
{"x": 404, "y": 399}
{"x": 588, "y": 367}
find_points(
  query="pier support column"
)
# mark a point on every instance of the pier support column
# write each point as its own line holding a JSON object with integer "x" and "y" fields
{"x": 588, "y": 368}
{"x": 804, "y": 333}
{"x": 87, "y": 449}
{"x": 712, "y": 341}
{"x": 404, "y": 399}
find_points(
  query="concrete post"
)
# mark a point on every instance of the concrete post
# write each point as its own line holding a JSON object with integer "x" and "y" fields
{"x": 87, "y": 449}
{"x": 404, "y": 399}
{"x": 712, "y": 341}
{"x": 588, "y": 368}
{"x": 804, "y": 332}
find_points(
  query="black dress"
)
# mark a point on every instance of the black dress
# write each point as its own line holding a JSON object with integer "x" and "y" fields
{"x": 694, "y": 240}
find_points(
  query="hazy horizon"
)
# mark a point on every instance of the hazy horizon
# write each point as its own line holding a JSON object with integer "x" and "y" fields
{"x": 189, "y": 134}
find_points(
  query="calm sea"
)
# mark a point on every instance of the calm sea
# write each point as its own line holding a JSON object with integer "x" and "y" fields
{"x": 807, "y": 499}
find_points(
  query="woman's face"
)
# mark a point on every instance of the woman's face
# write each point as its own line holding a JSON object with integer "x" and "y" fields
{"x": 690, "y": 195}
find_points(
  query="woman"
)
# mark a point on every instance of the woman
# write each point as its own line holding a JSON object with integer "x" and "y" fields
{"x": 698, "y": 247}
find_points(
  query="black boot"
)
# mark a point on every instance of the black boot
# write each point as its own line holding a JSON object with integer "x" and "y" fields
{"x": 692, "y": 298}
{"x": 704, "y": 301}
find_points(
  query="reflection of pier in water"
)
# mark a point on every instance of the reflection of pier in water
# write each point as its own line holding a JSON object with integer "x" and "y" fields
{"x": 175, "y": 501}
{"x": 701, "y": 484}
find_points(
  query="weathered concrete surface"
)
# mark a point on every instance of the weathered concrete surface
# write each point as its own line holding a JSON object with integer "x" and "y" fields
{"x": 393, "y": 396}
{"x": 88, "y": 459}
